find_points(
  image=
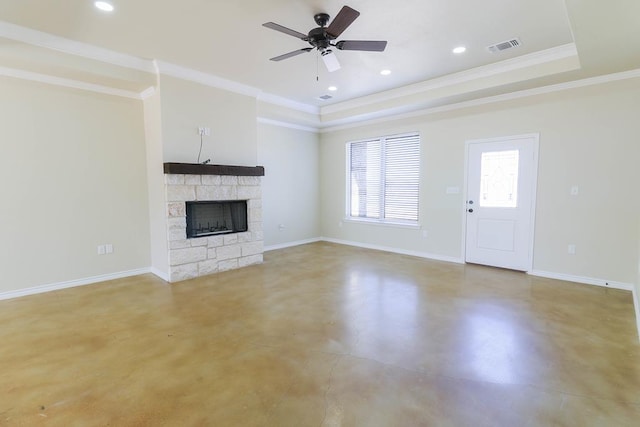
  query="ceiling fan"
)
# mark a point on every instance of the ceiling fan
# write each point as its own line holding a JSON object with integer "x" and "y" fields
{"x": 323, "y": 38}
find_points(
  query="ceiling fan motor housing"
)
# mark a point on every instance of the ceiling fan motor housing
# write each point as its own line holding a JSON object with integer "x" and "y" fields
{"x": 319, "y": 38}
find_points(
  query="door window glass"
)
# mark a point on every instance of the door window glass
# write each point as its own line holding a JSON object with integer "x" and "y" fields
{"x": 499, "y": 179}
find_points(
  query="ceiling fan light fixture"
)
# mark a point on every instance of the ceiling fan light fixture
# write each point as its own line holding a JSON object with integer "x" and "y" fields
{"x": 104, "y": 6}
{"x": 459, "y": 49}
{"x": 332, "y": 88}
{"x": 330, "y": 60}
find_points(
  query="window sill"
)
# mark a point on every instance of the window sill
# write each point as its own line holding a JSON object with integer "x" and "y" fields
{"x": 412, "y": 226}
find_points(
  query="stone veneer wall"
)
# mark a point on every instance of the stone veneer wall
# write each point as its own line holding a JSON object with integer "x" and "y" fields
{"x": 189, "y": 258}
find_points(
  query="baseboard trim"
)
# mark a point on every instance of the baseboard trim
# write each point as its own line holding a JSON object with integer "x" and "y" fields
{"x": 71, "y": 284}
{"x": 291, "y": 244}
{"x": 636, "y": 305}
{"x": 161, "y": 274}
{"x": 426, "y": 255}
{"x": 583, "y": 280}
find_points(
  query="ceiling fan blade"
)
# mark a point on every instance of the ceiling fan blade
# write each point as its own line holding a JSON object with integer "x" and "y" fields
{"x": 290, "y": 54}
{"x": 285, "y": 30}
{"x": 343, "y": 19}
{"x": 366, "y": 45}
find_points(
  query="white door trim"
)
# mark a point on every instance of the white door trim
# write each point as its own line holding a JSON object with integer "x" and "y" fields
{"x": 534, "y": 190}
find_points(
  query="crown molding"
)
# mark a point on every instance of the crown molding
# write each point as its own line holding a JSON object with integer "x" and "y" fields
{"x": 46, "y": 40}
{"x": 74, "y": 84}
{"x": 400, "y": 113}
{"x": 72, "y": 47}
{"x": 285, "y": 102}
{"x": 184, "y": 73}
{"x": 147, "y": 93}
{"x": 525, "y": 61}
{"x": 85, "y": 50}
{"x": 288, "y": 125}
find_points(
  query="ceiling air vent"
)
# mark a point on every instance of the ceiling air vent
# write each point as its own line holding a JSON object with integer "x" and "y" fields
{"x": 498, "y": 47}
{"x": 325, "y": 97}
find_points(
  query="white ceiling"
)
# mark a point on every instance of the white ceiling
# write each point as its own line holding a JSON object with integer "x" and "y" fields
{"x": 226, "y": 39}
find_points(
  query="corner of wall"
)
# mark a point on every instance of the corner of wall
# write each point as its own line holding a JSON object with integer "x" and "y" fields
{"x": 636, "y": 288}
{"x": 155, "y": 186}
{"x": 636, "y": 305}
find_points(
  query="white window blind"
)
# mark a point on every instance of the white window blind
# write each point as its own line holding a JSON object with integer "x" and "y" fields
{"x": 384, "y": 178}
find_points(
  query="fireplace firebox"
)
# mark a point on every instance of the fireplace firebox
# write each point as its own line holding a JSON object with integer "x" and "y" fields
{"x": 210, "y": 218}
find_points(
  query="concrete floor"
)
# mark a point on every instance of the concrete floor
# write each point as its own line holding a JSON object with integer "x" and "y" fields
{"x": 323, "y": 335}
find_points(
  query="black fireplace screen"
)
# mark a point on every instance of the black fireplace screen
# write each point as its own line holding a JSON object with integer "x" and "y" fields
{"x": 219, "y": 217}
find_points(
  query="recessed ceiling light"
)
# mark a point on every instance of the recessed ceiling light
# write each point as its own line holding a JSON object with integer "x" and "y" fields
{"x": 385, "y": 72}
{"x": 332, "y": 88}
{"x": 459, "y": 49}
{"x": 104, "y": 6}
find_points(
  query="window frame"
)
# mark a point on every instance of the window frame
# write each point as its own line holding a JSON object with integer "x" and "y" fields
{"x": 399, "y": 223}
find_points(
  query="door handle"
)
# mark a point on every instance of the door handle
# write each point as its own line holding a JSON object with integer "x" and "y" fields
{"x": 470, "y": 210}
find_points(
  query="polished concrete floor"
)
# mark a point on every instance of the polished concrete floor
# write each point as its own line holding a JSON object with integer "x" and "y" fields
{"x": 323, "y": 335}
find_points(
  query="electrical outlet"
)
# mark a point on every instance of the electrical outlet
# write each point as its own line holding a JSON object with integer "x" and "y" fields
{"x": 571, "y": 249}
{"x": 108, "y": 248}
{"x": 574, "y": 190}
{"x": 204, "y": 131}
{"x": 102, "y": 250}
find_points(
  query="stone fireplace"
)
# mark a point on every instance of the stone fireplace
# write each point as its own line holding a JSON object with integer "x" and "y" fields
{"x": 216, "y": 250}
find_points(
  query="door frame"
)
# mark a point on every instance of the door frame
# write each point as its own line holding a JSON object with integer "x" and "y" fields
{"x": 534, "y": 189}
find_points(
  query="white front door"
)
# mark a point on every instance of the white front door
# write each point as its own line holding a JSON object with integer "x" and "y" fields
{"x": 500, "y": 203}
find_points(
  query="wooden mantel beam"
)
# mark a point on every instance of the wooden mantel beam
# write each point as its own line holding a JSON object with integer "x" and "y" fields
{"x": 200, "y": 169}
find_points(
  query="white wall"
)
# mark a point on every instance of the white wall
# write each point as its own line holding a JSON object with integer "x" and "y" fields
{"x": 290, "y": 187}
{"x": 73, "y": 176}
{"x": 588, "y": 137}
{"x": 231, "y": 117}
